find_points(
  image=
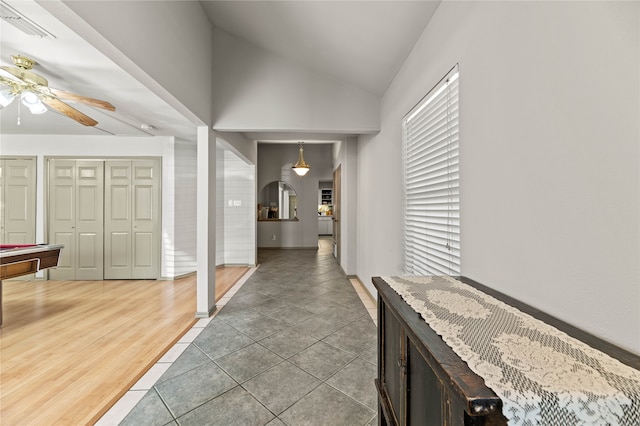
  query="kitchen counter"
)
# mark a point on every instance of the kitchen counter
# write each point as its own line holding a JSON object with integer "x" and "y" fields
{"x": 325, "y": 225}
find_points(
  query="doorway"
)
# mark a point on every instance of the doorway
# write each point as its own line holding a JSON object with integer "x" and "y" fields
{"x": 336, "y": 212}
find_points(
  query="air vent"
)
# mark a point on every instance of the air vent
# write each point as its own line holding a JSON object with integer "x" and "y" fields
{"x": 21, "y": 22}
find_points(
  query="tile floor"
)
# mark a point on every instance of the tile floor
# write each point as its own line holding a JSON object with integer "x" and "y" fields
{"x": 293, "y": 343}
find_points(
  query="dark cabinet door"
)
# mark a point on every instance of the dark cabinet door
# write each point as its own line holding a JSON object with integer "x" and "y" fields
{"x": 414, "y": 391}
{"x": 393, "y": 370}
{"x": 424, "y": 392}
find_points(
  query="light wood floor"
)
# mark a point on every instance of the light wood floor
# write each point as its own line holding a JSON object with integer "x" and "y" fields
{"x": 70, "y": 349}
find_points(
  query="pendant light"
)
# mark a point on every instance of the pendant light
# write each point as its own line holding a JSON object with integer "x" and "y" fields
{"x": 301, "y": 168}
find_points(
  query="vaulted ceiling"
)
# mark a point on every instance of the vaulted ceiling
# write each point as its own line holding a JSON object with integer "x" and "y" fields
{"x": 362, "y": 43}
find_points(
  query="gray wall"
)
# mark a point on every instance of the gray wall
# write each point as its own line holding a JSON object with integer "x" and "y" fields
{"x": 550, "y": 159}
{"x": 257, "y": 90}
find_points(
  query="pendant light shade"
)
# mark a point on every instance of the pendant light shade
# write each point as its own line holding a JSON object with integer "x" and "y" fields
{"x": 301, "y": 168}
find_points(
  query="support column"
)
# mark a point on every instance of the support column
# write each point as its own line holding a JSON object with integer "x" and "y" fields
{"x": 206, "y": 217}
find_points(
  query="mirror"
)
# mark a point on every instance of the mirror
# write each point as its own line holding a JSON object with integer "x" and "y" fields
{"x": 278, "y": 200}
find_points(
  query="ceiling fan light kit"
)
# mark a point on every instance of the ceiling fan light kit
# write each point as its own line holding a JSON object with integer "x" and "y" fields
{"x": 31, "y": 101}
{"x": 6, "y": 97}
{"x": 36, "y": 94}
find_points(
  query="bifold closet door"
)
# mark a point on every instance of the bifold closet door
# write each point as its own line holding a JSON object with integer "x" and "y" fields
{"x": 17, "y": 200}
{"x": 76, "y": 203}
{"x": 132, "y": 222}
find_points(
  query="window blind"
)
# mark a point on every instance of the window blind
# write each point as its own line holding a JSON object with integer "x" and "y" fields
{"x": 431, "y": 182}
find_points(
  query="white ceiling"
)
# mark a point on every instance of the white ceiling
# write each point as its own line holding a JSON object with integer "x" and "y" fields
{"x": 361, "y": 42}
{"x": 72, "y": 64}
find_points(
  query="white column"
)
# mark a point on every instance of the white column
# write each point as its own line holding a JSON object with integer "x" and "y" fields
{"x": 206, "y": 216}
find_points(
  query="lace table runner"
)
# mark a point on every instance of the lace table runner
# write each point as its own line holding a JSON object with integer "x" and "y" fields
{"x": 542, "y": 375}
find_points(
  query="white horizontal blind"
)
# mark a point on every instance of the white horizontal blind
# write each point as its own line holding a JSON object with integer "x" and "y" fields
{"x": 431, "y": 188}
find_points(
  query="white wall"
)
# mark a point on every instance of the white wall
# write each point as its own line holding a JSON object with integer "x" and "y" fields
{"x": 238, "y": 207}
{"x": 170, "y": 41}
{"x": 178, "y": 183}
{"x": 550, "y": 185}
{"x": 240, "y": 146}
{"x": 179, "y": 249}
{"x": 219, "y": 206}
{"x": 256, "y": 90}
{"x": 236, "y": 181}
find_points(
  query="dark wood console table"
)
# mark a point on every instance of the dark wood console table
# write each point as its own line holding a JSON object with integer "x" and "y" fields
{"x": 422, "y": 381}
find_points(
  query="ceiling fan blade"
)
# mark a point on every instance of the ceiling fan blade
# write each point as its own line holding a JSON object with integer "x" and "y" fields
{"x": 9, "y": 76}
{"x": 69, "y": 111}
{"x": 82, "y": 99}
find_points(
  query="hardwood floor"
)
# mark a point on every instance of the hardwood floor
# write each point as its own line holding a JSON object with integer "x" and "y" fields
{"x": 226, "y": 277}
{"x": 70, "y": 349}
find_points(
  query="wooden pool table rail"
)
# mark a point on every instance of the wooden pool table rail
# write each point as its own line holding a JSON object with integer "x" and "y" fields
{"x": 24, "y": 260}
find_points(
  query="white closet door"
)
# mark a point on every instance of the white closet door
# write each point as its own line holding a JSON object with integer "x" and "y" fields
{"x": 62, "y": 216}
{"x": 90, "y": 220}
{"x": 117, "y": 224}
{"x": 2, "y": 201}
{"x": 145, "y": 191}
{"x": 132, "y": 223}
{"x": 76, "y": 197}
{"x": 17, "y": 200}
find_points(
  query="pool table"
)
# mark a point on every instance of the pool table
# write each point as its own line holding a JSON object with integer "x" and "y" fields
{"x": 22, "y": 259}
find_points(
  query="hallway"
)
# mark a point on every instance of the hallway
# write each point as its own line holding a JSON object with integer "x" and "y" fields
{"x": 294, "y": 345}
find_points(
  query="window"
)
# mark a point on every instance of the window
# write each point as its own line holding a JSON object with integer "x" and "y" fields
{"x": 431, "y": 189}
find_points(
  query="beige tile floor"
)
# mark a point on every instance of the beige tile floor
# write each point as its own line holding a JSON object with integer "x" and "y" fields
{"x": 367, "y": 300}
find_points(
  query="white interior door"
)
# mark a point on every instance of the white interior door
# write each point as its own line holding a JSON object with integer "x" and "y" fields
{"x": 76, "y": 197}
{"x": 117, "y": 224}
{"x": 337, "y": 204}
{"x": 90, "y": 220}
{"x": 132, "y": 223}
{"x": 17, "y": 200}
{"x": 62, "y": 216}
{"x": 145, "y": 190}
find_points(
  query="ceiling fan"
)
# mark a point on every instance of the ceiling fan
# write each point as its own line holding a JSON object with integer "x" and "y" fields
{"x": 35, "y": 93}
